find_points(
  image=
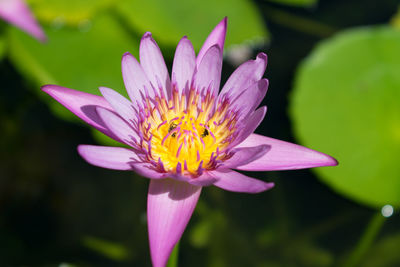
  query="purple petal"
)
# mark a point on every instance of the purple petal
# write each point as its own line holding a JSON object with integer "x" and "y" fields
{"x": 216, "y": 37}
{"x": 245, "y": 155}
{"x": 135, "y": 79}
{"x": 184, "y": 64}
{"x": 237, "y": 182}
{"x": 148, "y": 170}
{"x": 244, "y": 76}
{"x": 284, "y": 156}
{"x": 116, "y": 158}
{"x": 209, "y": 71}
{"x": 203, "y": 180}
{"x": 250, "y": 99}
{"x": 82, "y": 105}
{"x": 249, "y": 126}
{"x": 120, "y": 104}
{"x": 170, "y": 205}
{"x": 118, "y": 126}
{"x": 153, "y": 64}
{"x": 17, "y": 12}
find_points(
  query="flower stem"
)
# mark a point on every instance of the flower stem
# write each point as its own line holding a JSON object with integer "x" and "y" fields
{"x": 366, "y": 240}
{"x": 173, "y": 259}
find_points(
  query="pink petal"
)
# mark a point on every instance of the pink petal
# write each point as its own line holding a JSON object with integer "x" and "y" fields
{"x": 116, "y": 158}
{"x": 120, "y": 104}
{"x": 17, "y": 12}
{"x": 203, "y": 180}
{"x": 118, "y": 126}
{"x": 184, "y": 64}
{"x": 245, "y": 155}
{"x": 170, "y": 205}
{"x": 249, "y": 126}
{"x": 209, "y": 71}
{"x": 284, "y": 156}
{"x": 237, "y": 182}
{"x": 136, "y": 82}
{"x": 82, "y": 105}
{"x": 153, "y": 64}
{"x": 147, "y": 170}
{"x": 216, "y": 37}
{"x": 250, "y": 98}
{"x": 245, "y": 76}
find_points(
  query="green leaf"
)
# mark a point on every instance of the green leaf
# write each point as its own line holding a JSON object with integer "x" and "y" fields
{"x": 82, "y": 60}
{"x": 70, "y": 12}
{"x": 108, "y": 249}
{"x": 170, "y": 20}
{"x": 173, "y": 258}
{"x": 384, "y": 253}
{"x": 346, "y": 103}
{"x": 395, "y": 20}
{"x": 296, "y": 2}
{"x": 2, "y": 47}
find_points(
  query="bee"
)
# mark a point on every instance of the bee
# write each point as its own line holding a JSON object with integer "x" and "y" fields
{"x": 172, "y": 127}
{"x": 205, "y": 133}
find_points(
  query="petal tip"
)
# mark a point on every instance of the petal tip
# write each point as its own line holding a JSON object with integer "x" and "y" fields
{"x": 51, "y": 88}
{"x": 126, "y": 54}
{"x": 224, "y": 22}
{"x": 331, "y": 161}
{"x": 268, "y": 186}
{"x": 147, "y": 35}
{"x": 45, "y": 88}
{"x": 42, "y": 38}
{"x": 104, "y": 90}
{"x": 81, "y": 149}
{"x": 323, "y": 160}
{"x": 262, "y": 56}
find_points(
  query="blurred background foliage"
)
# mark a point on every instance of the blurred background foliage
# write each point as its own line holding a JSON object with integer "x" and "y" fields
{"x": 333, "y": 67}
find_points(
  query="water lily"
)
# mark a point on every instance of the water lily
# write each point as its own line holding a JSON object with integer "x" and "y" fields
{"x": 17, "y": 13}
{"x": 184, "y": 134}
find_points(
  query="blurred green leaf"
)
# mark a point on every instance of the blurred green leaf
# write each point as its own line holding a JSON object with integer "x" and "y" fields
{"x": 170, "y": 20}
{"x": 346, "y": 103}
{"x": 309, "y": 254}
{"x": 173, "y": 258}
{"x": 70, "y": 12}
{"x": 109, "y": 249}
{"x": 2, "y": 47}
{"x": 201, "y": 233}
{"x": 395, "y": 21}
{"x": 295, "y": 2}
{"x": 82, "y": 60}
{"x": 385, "y": 253}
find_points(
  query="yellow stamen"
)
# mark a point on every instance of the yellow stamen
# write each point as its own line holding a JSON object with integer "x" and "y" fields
{"x": 186, "y": 134}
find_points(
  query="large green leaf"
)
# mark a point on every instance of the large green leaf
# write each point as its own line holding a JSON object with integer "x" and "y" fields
{"x": 346, "y": 103}
{"x": 71, "y": 12}
{"x": 295, "y": 2}
{"x": 170, "y": 20}
{"x": 82, "y": 60}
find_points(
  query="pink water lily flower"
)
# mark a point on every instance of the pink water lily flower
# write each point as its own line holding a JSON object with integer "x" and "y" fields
{"x": 17, "y": 13}
{"x": 182, "y": 133}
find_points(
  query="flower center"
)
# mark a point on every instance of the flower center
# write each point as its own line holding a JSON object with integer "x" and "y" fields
{"x": 187, "y": 134}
